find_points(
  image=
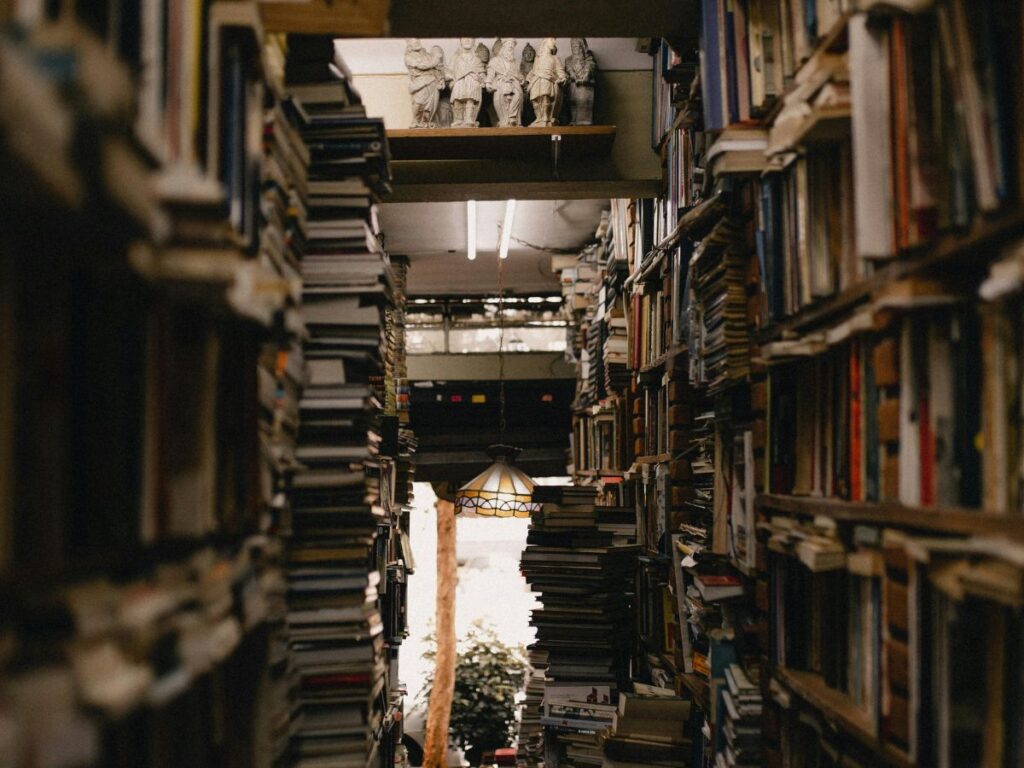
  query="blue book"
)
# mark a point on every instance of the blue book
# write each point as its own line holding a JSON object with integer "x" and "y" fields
{"x": 710, "y": 66}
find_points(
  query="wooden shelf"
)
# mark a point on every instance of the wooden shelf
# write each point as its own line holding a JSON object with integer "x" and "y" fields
{"x": 340, "y": 18}
{"x": 655, "y": 366}
{"x": 973, "y": 245}
{"x": 953, "y": 520}
{"x": 823, "y": 124}
{"x": 500, "y": 143}
{"x": 837, "y": 708}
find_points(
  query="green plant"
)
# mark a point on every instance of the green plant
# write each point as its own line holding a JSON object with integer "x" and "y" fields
{"x": 488, "y": 675}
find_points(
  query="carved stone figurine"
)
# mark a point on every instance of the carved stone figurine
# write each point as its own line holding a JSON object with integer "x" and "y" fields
{"x": 525, "y": 65}
{"x": 505, "y": 82}
{"x": 423, "y": 83}
{"x": 581, "y": 68}
{"x": 444, "y": 102}
{"x": 545, "y": 80}
{"x": 466, "y": 73}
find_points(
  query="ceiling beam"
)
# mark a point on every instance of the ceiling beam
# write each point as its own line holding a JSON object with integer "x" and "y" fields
{"x": 543, "y": 18}
{"x": 460, "y": 466}
{"x": 674, "y": 19}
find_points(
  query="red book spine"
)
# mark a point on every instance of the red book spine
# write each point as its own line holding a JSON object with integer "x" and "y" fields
{"x": 927, "y": 439}
{"x": 856, "y": 481}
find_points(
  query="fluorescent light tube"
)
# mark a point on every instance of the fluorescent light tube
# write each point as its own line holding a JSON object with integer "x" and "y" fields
{"x": 471, "y": 230}
{"x": 506, "y": 228}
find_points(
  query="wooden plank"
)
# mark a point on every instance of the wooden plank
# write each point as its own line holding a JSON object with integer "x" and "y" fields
{"x": 500, "y": 143}
{"x": 341, "y": 18}
{"x": 836, "y": 707}
{"x": 539, "y": 18}
{"x": 956, "y": 520}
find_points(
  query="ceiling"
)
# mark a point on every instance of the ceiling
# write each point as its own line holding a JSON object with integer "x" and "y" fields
{"x": 433, "y": 236}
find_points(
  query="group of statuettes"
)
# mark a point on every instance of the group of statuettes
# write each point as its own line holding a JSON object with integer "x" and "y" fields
{"x": 528, "y": 92}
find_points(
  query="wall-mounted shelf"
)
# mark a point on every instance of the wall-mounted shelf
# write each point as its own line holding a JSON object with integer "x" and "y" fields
{"x": 954, "y": 520}
{"x": 500, "y": 143}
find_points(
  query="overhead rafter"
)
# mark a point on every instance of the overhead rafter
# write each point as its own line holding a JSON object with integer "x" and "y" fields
{"x": 542, "y": 18}
{"x": 673, "y": 19}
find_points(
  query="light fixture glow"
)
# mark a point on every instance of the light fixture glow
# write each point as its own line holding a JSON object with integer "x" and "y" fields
{"x": 501, "y": 490}
{"x": 471, "y": 230}
{"x": 506, "y": 228}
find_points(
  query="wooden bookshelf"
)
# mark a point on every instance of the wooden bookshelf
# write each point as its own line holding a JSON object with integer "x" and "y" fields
{"x": 950, "y": 520}
{"x": 839, "y": 709}
{"x": 572, "y": 141}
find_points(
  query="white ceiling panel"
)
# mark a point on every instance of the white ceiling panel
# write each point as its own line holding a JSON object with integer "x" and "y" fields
{"x": 433, "y": 236}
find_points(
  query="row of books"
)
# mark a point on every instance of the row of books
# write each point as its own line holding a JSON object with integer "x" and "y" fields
{"x": 900, "y": 402}
{"x": 882, "y": 618}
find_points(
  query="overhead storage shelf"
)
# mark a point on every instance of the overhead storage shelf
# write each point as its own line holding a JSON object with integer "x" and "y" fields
{"x": 570, "y": 141}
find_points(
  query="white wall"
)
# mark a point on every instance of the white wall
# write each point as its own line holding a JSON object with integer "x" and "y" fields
{"x": 387, "y": 56}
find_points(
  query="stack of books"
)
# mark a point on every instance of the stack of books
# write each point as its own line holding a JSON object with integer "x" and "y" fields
{"x": 612, "y": 301}
{"x": 531, "y": 734}
{"x": 585, "y": 583}
{"x": 335, "y": 629}
{"x": 721, "y": 337}
{"x": 740, "y": 736}
{"x": 649, "y": 730}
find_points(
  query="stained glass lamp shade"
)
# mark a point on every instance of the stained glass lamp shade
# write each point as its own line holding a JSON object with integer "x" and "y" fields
{"x": 501, "y": 490}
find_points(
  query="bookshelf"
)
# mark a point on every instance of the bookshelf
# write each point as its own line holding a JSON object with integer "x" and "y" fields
{"x": 164, "y": 358}
{"x": 822, "y": 307}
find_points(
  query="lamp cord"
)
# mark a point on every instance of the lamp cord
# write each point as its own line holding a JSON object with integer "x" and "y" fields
{"x": 501, "y": 350}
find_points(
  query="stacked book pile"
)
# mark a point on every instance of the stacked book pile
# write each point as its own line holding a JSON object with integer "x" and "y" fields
{"x": 648, "y": 730}
{"x": 576, "y": 717}
{"x": 531, "y": 734}
{"x": 616, "y": 335}
{"x": 720, "y": 338}
{"x": 740, "y": 736}
{"x": 335, "y": 630}
{"x": 709, "y": 581}
{"x": 585, "y": 583}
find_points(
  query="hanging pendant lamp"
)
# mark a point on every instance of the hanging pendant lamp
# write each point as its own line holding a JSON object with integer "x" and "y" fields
{"x": 501, "y": 490}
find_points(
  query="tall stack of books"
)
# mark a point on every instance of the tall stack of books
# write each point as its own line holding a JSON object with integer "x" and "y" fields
{"x": 584, "y": 581}
{"x": 335, "y": 629}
